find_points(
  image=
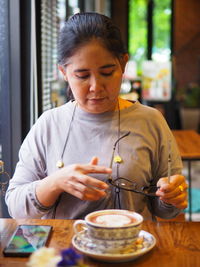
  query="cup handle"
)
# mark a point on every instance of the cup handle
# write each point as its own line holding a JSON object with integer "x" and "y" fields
{"x": 79, "y": 223}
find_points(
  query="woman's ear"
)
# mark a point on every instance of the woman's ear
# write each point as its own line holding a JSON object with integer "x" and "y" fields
{"x": 123, "y": 61}
{"x": 63, "y": 71}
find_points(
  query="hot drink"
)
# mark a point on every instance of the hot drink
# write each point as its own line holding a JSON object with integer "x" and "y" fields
{"x": 112, "y": 219}
{"x": 111, "y": 230}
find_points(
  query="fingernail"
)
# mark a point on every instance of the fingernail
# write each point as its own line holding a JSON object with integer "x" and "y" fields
{"x": 105, "y": 186}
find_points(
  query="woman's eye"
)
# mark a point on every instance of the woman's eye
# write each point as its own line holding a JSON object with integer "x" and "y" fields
{"x": 82, "y": 77}
{"x": 107, "y": 73}
{"x": 88, "y": 75}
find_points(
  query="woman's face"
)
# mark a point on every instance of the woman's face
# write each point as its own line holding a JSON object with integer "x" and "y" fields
{"x": 94, "y": 76}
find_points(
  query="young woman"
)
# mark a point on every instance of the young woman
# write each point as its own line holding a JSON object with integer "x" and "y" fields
{"x": 71, "y": 159}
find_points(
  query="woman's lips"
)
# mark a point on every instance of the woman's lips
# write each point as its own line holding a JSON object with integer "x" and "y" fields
{"x": 96, "y": 100}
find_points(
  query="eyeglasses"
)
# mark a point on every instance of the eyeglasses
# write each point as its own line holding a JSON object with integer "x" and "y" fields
{"x": 126, "y": 184}
{"x": 4, "y": 178}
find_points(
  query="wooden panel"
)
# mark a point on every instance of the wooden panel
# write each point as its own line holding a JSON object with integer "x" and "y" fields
{"x": 186, "y": 42}
{"x": 188, "y": 142}
{"x": 177, "y": 243}
{"x": 119, "y": 14}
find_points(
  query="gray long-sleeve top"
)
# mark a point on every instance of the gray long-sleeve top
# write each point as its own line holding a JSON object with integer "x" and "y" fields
{"x": 144, "y": 153}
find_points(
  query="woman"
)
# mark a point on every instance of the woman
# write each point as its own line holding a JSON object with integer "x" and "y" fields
{"x": 64, "y": 162}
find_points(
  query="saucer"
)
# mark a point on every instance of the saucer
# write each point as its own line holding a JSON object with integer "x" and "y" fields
{"x": 85, "y": 245}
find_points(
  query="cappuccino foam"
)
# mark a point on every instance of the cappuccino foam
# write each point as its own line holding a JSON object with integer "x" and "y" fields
{"x": 113, "y": 220}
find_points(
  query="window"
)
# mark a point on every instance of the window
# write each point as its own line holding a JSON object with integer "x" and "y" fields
{"x": 161, "y": 31}
{"x": 137, "y": 42}
{"x": 52, "y": 16}
{"x": 149, "y": 30}
{"x": 10, "y": 89}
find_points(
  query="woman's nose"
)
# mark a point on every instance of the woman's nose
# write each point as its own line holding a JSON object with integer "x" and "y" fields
{"x": 96, "y": 84}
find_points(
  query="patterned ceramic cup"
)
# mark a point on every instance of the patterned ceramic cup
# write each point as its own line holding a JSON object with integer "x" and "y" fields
{"x": 111, "y": 230}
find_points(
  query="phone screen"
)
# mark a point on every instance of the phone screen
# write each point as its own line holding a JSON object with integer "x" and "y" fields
{"x": 26, "y": 239}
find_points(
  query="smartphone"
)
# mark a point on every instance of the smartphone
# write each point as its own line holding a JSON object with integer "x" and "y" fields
{"x": 26, "y": 239}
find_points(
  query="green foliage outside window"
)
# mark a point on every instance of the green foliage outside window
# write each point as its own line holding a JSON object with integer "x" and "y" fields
{"x": 138, "y": 30}
{"x": 161, "y": 30}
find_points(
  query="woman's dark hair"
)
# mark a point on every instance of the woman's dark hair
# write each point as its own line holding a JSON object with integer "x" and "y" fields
{"x": 81, "y": 28}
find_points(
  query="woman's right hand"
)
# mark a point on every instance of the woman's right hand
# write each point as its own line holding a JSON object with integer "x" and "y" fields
{"x": 73, "y": 179}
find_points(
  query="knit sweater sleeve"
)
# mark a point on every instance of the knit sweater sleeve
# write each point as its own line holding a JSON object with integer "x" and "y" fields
{"x": 166, "y": 144}
{"x": 29, "y": 170}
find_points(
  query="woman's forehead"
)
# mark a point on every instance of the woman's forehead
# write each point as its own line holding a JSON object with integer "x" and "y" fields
{"x": 93, "y": 53}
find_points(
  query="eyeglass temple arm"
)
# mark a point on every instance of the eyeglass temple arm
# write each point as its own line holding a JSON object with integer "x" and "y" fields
{"x": 114, "y": 147}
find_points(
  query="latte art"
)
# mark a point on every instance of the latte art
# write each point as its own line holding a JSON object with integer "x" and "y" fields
{"x": 113, "y": 220}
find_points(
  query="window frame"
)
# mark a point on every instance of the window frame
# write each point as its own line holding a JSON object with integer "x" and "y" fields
{"x": 10, "y": 87}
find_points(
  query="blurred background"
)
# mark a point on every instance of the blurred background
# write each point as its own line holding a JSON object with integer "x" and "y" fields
{"x": 163, "y": 42}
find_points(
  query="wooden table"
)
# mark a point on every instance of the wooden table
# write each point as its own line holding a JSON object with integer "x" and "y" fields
{"x": 188, "y": 142}
{"x": 178, "y": 243}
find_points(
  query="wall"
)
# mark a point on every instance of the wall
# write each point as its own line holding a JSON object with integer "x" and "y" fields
{"x": 186, "y": 42}
{"x": 119, "y": 14}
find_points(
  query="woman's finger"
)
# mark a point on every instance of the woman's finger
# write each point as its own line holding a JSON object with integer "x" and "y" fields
{"x": 91, "y": 182}
{"x": 171, "y": 191}
{"x": 84, "y": 192}
{"x": 94, "y": 161}
{"x": 175, "y": 180}
{"x": 92, "y": 168}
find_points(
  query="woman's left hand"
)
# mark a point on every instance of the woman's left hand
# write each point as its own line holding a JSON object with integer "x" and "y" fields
{"x": 175, "y": 192}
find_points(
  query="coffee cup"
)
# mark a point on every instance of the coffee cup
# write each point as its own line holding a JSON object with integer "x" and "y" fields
{"x": 111, "y": 230}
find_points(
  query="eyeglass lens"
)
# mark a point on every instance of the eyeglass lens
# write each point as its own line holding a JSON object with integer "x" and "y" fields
{"x": 126, "y": 184}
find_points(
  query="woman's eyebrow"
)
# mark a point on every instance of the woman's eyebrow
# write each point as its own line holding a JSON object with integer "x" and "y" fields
{"x": 107, "y": 66}
{"x": 102, "y": 67}
{"x": 81, "y": 70}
